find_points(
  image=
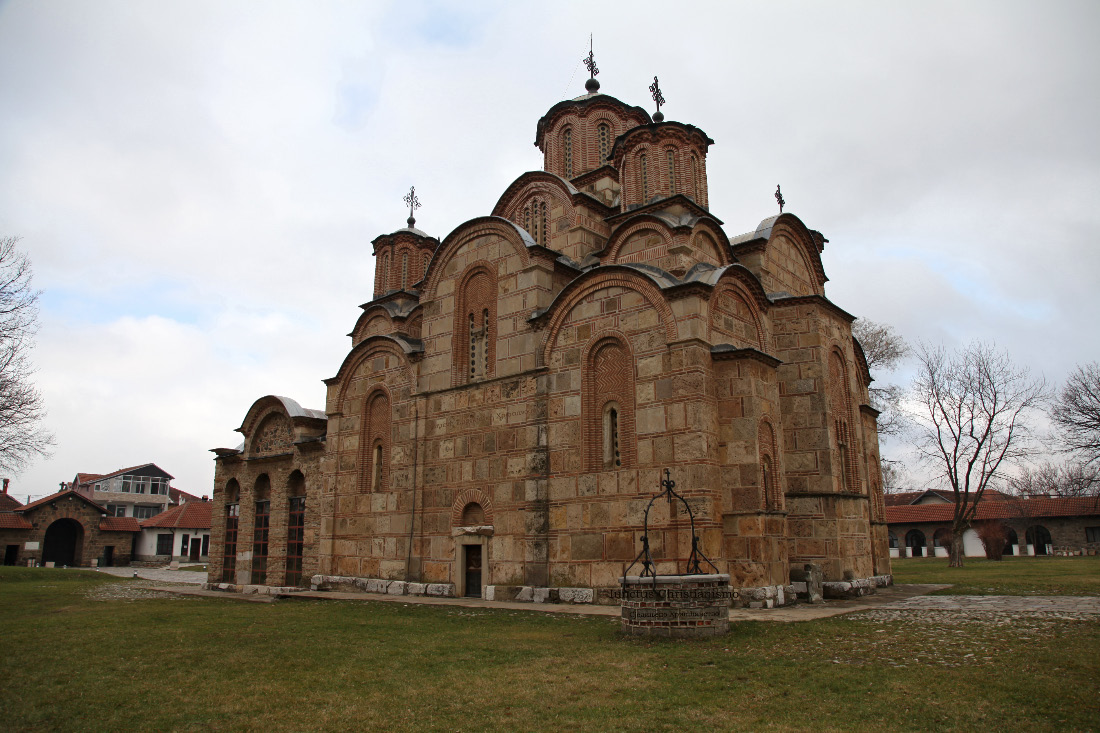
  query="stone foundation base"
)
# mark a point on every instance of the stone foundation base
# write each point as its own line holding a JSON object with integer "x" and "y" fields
{"x": 256, "y": 590}
{"x": 857, "y": 587}
{"x": 377, "y": 585}
{"x": 534, "y": 594}
{"x": 765, "y": 596}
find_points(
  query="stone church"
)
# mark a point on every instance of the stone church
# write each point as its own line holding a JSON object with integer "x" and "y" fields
{"x": 514, "y": 392}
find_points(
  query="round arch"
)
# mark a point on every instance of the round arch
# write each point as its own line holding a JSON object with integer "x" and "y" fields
{"x": 63, "y": 543}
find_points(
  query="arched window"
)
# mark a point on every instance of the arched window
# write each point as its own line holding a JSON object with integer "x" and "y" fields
{"x": 261, "y": 527}
{"x": 375, "y": 442}
{"x": 384, "y": 275}
{"x": 608, "y": 386}
{"x": 404, "y": 270}
{"x": 544, "y": 226}
{"x": 475, "y": 327}
{"x": 603, "y": 132}
{"x": 645, "y": 177}
{"x": 473, "y": 515}
{"x": 295, "y": 527}
{"x": 567, "y": 140}
{"x": 671, "y": 155}
{"x": 232, "y": 521}
{"x": 771, "y": 492}
{"x": 1038, "y": 537}
{"x": 840, "y": 400}
{"x": 893, "y": 541}
{"x": 914, "y": 540}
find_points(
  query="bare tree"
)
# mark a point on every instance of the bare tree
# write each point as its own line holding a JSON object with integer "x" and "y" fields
{"x": 884, "y": 350}
{"x": 1071, "y": 479}
{"x": 973, "y": 422}
{"x": 22, "y": 437}
{"x": 894, "y": 478}
{"x": 1076, "y": 413}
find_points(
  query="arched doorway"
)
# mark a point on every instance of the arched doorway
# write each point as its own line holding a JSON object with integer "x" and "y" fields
{"x": 1039, "y": 538}
{"x": 914, "y": 540}
{"x": 1011, "y": 539}
{"x": 64, "y": 542}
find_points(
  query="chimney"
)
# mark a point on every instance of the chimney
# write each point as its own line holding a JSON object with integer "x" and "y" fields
{"x": 6, "y": 485}
{"x": 204, "y": 498}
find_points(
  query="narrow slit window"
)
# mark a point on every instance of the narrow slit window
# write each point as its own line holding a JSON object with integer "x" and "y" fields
{"x": 695, "y": 177}
{"x": 544, "y": 234}
{"x": 404, "y": 270}
{"x": 376, "y": 473}
{"x": 568, "y": 152}
{"x": 604, "y": 133}
{"x": 645, "y": 179}
{"x": 484, "y": 341}
{"x": 671, "y": 173}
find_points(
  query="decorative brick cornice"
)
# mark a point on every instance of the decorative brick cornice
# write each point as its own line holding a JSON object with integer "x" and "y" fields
{"x": 816, "y": 300}
{"x": 725, "y": 352}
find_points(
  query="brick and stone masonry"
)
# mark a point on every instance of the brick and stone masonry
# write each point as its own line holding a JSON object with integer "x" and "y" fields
{"x": 514, "y": 390}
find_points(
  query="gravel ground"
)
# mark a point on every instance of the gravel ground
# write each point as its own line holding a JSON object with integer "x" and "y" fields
{"x": 163, "y": 575}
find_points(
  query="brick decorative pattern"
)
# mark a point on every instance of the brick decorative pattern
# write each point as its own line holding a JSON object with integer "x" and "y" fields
{"x": 273, "y": 436}
{"x": 467, "y": 497}
{"x": 608, "y": 379}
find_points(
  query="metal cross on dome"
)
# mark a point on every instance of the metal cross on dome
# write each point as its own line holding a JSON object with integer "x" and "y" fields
{"x": 779, "y": 198}
{"x": 413, "y": 203}
{"x": 590, "y": 62}
{"x": 655, "y": 91}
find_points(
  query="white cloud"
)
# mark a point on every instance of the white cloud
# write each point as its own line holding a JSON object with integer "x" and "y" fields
{"x": 203, "y": 180}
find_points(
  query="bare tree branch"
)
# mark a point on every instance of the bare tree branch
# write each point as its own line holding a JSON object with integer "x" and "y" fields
{"x": 884, "y": 350}
{"x": 973, "y": 421}
{"x": 1076, "y": 413}
{"x": 21, "y": 407}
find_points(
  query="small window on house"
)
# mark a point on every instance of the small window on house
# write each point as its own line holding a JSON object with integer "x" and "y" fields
{"x": 145, "y": 512}
{"x": 97, "y": 487}
{"x": 184, "y": 541}
{"x": 568, "y": 143}
{"x": 604, "y": 133}
{"x": 164, "y": 544}
{"x": 126, "y": 481}
{"x": 1092, "y": 534}
{"x": 671, "y": 173}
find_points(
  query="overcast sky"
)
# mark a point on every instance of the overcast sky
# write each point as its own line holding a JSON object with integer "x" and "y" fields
{"x": 198, "y": 184}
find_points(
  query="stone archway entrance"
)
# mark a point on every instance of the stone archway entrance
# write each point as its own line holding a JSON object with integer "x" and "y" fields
{"x": 914, "y": 540}
{"x": 63, "y": 543}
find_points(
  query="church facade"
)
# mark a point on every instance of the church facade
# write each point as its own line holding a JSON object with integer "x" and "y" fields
{"x": 514, "y": 392}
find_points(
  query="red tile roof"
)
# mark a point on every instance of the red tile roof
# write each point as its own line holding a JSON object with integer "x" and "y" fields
{"x": 8, "y": 520}
{"x": 84, "y": 478}
{"x": 179, "y": 495}
{"x": 54, "y": 497}
{"x": 192, "y": 515}
{"x": 1015, "y": 508}
{"x": 119, "y": 524}
{"x": 902, "y": 498}
{"x": 8, "y": 503}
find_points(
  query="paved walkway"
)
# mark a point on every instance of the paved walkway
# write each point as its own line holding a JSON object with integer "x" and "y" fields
{"x": 912, "y": 598}
{"x": 1076, "y": 605}
{"x": 161, "y": 575}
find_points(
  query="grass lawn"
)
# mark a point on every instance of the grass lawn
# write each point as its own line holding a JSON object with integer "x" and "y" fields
{"x": 81, "y": 651}
{"x": 194, "y": 568}
{"x": 1012, "y": 576}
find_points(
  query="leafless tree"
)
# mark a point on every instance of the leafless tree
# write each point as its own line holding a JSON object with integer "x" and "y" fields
{"x": 1071, "y": 479}
{"x": 973, "y": 422}
{"x": 1076, "y": 413}
{"x": 884, "y": 350}
{"x": 22, "y": 437}
{"x": 894, "y": 479}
